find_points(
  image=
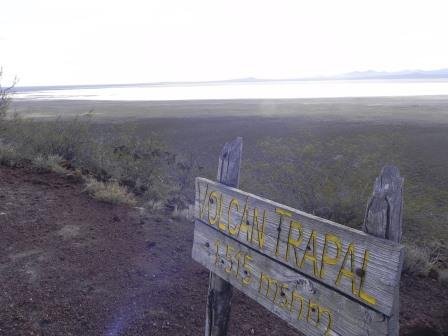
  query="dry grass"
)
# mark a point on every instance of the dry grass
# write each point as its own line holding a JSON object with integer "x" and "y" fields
{"x": 9, "y": 156}
{"x": 418, "y": 260}
{"x": 110, "y": 192}
{"x": 187, "y": 213}
{"x": 49, "y": 163}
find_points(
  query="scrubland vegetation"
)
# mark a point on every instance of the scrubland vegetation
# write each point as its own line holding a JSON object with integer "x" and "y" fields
{"x": 112, "y": 161}
{"x": 110, "y": 191}
{"x": 321, "y": 163}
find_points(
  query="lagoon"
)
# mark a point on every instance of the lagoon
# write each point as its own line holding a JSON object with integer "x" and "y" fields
{"x": 240, "y": 90}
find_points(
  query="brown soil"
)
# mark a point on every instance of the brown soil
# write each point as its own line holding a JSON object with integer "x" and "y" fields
{"x": 74, "y": 266}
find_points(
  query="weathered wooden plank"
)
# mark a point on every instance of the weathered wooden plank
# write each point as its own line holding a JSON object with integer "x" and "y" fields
{"x": 361, "y": 266}
{"x": 309, "y": 306}
{"x": 383, "y": 219}
{"x": 220, "y": 291}
{"x": 230, "y": 162}
{"x": 384, "y": 210}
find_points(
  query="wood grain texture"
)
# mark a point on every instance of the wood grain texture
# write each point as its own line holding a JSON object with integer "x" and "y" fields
{"x": 307, "y": 305}
{"x": 220, "y": 291}
{"x": 383, "y": 216}
{"x": 383, "y": 219}
{"x": 230, "y": 162}
{"x": 229, "y": 209}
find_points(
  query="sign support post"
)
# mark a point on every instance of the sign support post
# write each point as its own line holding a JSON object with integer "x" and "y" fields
{"x": 384, "y": 219}
{"x": 220, "y": 291}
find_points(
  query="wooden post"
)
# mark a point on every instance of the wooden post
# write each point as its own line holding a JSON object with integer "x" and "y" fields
{"x": 219, "y": 290}
{"x": 383, "y": 218}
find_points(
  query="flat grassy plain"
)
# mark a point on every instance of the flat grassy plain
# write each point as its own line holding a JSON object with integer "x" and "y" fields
{"x": 319, "y": 155}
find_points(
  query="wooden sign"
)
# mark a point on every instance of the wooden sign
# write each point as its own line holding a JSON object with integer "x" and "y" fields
{"x": 307, "y": 305}
{"x": 321, "y": 277}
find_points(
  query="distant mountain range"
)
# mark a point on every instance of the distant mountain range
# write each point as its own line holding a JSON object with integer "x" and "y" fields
{"x": 370, "y": 74}
{"x": 357, "y": 75}
{"x": 405, "y": 74}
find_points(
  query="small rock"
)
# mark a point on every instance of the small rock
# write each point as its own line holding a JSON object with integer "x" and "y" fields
{"x": 150, "y": 245}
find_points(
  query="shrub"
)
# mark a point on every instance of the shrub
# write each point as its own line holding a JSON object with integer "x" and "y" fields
{"x": 65, "y": 138}
{"x": 49, "y": 163}
{"x": 137, "y": 161}
{"x": 182, "y": 176}
{"x": 443, "y": 277}
{"x": 110, "y": 192}
{"x": 5, "y": 96}
{"x": 9, "y": 156}
{"x": 331, "y": 178}
{"x": 186, "y": 213}
{"x": 417, "y": 260}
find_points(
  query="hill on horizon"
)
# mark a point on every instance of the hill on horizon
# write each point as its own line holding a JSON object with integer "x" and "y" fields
{"x": 356, "y": 75}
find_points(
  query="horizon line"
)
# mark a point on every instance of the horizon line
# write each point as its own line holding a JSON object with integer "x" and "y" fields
{"x": 354, "y": 75}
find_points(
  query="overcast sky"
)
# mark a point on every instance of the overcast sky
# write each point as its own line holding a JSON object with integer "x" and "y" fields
{"x": 46, "y": 42}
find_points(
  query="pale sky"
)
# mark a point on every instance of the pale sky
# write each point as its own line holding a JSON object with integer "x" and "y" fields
{"x": 46, "y": 42}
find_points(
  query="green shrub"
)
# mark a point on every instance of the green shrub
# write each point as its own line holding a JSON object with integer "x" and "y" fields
{"x": 141, "y": 163}
{"x": 65, "y": 138}
{"x": 109, "y": 192}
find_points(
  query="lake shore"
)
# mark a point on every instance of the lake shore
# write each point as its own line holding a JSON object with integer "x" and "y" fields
{"x": 424, "y": 109}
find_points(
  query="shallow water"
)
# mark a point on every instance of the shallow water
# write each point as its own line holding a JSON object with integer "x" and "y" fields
{"x": 246, "y": 90}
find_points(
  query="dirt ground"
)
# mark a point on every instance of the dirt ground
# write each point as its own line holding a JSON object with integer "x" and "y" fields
{"x": 70, "y": 265}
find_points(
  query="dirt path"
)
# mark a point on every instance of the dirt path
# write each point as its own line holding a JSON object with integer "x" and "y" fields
{"x": 72, "y": 266}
